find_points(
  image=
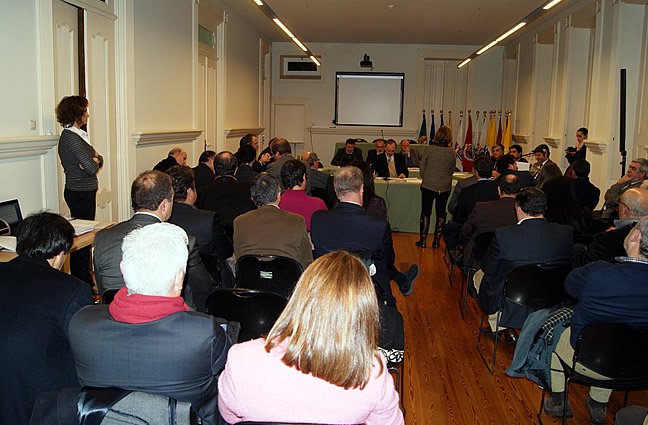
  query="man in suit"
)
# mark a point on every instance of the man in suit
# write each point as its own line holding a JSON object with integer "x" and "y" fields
{"x": 372, "y": 154}
{"x": 349, "y": 227}
{"x": 516, "y": 152}
{"x": 508, "y": 166}
{"x": 214, "y": 245}
{"x": 391, "y": 164}
{"x": 281, "y": 152}
{"x": 634, "y": 177}
{"x": 269, "y": 230}
{"x": 484, "y": 189}
{"x": 606, "y": 246}
{"x": 348, "y": 154}
{"x": 490, "y": 215}
{"x": 204, "y": 171}
{"x": 147, "y": 339}
{"x": 314, "y": 179}
{"x": 532, "y": 240}
{"x": 261, "y": 163}
{"x": 586, "y": 193}
{"x": 176, "y": 156}
{"x": 459, "y": 187}
{"x": 544, "y": 169}
{"x": 37, "y": 303}
{"x": 412, "y": 156}
{"x": 152, "y": 201}
{"x": 227, "y": 197}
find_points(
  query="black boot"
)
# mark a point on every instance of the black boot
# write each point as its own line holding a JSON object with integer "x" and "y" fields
{"x": 437, "y": 232}
{"x": 424, "y": 227}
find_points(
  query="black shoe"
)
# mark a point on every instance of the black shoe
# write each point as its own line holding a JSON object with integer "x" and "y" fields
{"x": 554, "y": 408}
{"x": 410, "y": 276}
{"x": 421, "y": 243}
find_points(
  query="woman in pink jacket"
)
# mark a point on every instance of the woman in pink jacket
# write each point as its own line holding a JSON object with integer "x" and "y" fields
{"x": 320, "y": 361}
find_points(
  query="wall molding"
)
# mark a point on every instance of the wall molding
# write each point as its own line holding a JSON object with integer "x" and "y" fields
{"x": 521, "y": 138}
{"x": 240, "y": 132}
{"x": 553, "y": 142}
{"x": 165, "y": 137}
{"x": 597, "y": 147}
{"x": 26, "y": 146}
{"x": 365, "y": 131}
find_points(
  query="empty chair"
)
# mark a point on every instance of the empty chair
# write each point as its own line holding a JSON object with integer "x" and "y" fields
{"x": 255, "y": 310}
{"x": 268, "y": 273}
{"x": 533, "y": 286}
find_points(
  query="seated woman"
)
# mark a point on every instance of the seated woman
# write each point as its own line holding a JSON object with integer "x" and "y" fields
{"x": 320, "y": 361}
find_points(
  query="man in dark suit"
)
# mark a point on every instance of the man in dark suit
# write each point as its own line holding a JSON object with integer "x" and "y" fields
{"x": 176, "y": 156}
{"x": 372, "y": 154}
{"x": 227, "y": 197}
{"x": 608, "y": 245}
{"x": 152, "y": 201}
{"x": 532, "y": 240}
{"x": 507, "y": 166}
{"x": 147, "y": 339}
{"x": 349, "y": 227}
{"x": 586, "y": 193}
{"x": 412, "y": 156}
{"x": 214, "y": 245}
{"x": 204, "y": 171}
{"x": 544, "y": 169}
{"x": 36, "y": 306}
{"x": 634, "y": 177}
{"x": 348, "y": 154}
{"x": 282, "y": 153}
{"x": 485, "y": 189}
{"x": 391, "y": 164}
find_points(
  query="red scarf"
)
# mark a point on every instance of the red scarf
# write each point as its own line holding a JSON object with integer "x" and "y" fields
{"x": 137, "y": 308}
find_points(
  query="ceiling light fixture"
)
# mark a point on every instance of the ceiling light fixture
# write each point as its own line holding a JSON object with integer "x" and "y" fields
{"x": 265, "y": 8}
{"x": 535, "y": 14}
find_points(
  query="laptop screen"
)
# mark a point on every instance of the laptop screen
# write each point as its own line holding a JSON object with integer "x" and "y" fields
{"x": 10, "y": 212}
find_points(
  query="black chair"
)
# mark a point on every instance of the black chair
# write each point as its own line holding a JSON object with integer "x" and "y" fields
{"x": 534, "y": 286}
{"x": 616, "y": 351}
{"x": 268, "y": 273}
{"x": 255, "y": 310}
{"x": 108, "y": 296}
{"x": 479, "y": 249}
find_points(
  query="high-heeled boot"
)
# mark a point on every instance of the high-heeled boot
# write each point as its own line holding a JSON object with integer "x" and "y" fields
{"x": 437, "y": 232}
{"x": 424, "y": 227}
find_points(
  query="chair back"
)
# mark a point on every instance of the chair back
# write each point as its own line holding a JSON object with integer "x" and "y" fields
{"x": 268, "y": 273}
{"x": 255, "y": 310}
{"x": 616, "y": 351}
{"x": 537, "y": 285}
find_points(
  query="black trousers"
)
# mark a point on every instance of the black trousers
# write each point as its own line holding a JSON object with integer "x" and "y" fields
{"x": 428, "y": 197}
{"x": 83, "y": 205}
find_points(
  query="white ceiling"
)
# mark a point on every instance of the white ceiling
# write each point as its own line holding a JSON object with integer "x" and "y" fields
{"x": 454, "y": 22}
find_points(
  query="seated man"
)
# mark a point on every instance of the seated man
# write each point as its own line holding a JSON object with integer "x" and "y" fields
{"x": 373, "y": 154}
{"x": 412, "y": 156}
{"x": 36, "y": 306}
{"x": 177, "y": 156}
{"x": 294, "y": 198}
{"x": 252, "y": 140}
{"x": 347, "y": 154}
{"x": 316, "y": 182}
{"x": 634, "y": 177}
{"x": 608, "y": 245}
{"x": 544, "y": 169}
{"x": 532, "y": 240}
{"x": 147, "y": 339}
{"x": 282, "y": 153}
{"x": 213, "y": 243}
{"x": 508, "y": 166}
{"x": 587, "y": 194}
{"x": 605, "y": 293}
{"x": 246, "y": 156}
{"x": 204, "y": 171}
{"x": 391, "y": 164}
{"x": 269, "y": 230}
{"x": 516, "y": 152}
{"x": 152, "y": 201}
{"x": 497, "y": 152}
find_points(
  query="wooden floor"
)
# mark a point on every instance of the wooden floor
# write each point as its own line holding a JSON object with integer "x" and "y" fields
{"x": 446, "y": 381}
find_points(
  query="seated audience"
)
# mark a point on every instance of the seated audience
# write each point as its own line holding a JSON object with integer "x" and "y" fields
{"x": 608, "y": 245}
{"x": 294, "y": 198}
{"x": 331, "y": 363}
{"x": 412, "y": 156}
{"x": 532, "y": 240}
{"x": 564, "y": 208}
{"x": 152, "y": 201}
{"x": 281, "y": 153}
{"x": 214, "y": 245}
{"x": 544, "y": 169}
{"x": 507, "y": 165}
{"x": 147, "y": 339}
{"x": 634, "y": 177}
{"x": 605, "y": 293}
{"x": 316, "y": 182}
{"x": 516, "y": 152}
{"x": 373, "y": 154}
{"x": 264, "y": 157}
{"x": 586, "y": 193}
{"x": 204, "y": 171}
{"x": 497, "y": 152}
{"x": 227, "y": 196}
{"x": 391, "y": 164}
{"x": 246, "y": 157}
{"x": 348, "y": 154}
{"x": 37, "y": 303}
{"x": 177, "y": 156}
{"x": 269, "y": 230}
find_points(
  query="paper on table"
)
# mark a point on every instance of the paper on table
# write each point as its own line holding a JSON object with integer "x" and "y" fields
{"x": 8, "y": 243}
{"x": 83, "y": 226}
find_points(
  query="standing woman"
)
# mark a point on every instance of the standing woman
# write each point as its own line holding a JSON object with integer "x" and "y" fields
{"x": 580, "y": 151}
{"x": 81, "y": 163}
{"x": 437, "y": 166}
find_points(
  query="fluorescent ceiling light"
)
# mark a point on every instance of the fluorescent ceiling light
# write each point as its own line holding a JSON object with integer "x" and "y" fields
{"x": 551, "y": 4}
{"x": 299, "y": 43}
{"x": 511, "y": 31}
{"x": 486, "y": 47}
{"x": 283, "y": 27}
{"x": 260, "y": 3}
{"x": 314, "y": 59}
{"x": 464, "y": 62}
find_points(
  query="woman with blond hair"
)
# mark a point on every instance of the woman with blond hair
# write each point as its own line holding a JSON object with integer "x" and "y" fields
{"x": 320, "y": 361}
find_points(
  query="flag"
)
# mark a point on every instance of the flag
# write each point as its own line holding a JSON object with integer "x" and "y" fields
{"x": 492, "y": 131}
{"x": 507, "y": 139}
{"x": 457, "y": 146}
{"x": 467, "y": 151}
{"x": 483, "y": 133}
{"x": 422, "y": 138}
{"x": 499, "y": 130}
{"x": 432, "y": 127}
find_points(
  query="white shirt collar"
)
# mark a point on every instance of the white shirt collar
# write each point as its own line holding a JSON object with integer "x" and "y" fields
{"x": 80, "y": 132}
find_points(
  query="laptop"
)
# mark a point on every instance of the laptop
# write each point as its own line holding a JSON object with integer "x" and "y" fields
{"x": 10, "y": 212}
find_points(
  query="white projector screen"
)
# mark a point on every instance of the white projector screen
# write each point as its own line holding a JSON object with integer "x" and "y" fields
{"x": 368, "y": 98}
